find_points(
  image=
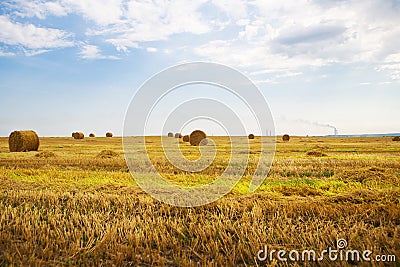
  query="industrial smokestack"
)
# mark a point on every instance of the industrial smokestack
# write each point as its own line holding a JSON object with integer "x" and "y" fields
{"x": 319, "y": 124}
{"x": 335, "y": 131}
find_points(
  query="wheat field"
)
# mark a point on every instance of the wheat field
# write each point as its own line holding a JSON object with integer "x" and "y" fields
{"x": 74, "y": 203}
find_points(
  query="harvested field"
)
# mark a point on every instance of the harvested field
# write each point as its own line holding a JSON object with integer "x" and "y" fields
{"x": 80, "y": 209}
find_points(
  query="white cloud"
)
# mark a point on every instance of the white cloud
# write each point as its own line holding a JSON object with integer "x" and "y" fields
{"x": 39, "y": 9}
{"x": 6, "y": 54}
{"x": 93, "y": 52}
{"x": 392, "y": 65}
{"x": 123, "y": 44}
{"x": 235, "y": 9}
{"x": 392, "y": 58}
{"x": 307, "y": 34}
{"x": 235, "y": 53}
{"x": 126, "y": 22}
{"x": 102, "y": 12}
{"x": 275, "y": 76}
{"x": 31, "y": 53}
{"x": 151, "y": 49}
{"x": 32, "y": 37}
{"x": 257, "y": 34}
{"x": 158, "y": 20}
{"x": 383, "y": 83}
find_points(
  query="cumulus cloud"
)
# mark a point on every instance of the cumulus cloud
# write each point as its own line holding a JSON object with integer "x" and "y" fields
{"x": 6, "y": 54}
{"x": 32, "y": 37}
{"x": 122, "y": 44}
{"x": 102, "y": 12}
{"x": 39, "y": 9}
{"x": 235, "y": 9}
{"x": 93, "y": 52}
{"x": 253, "y": 56}
{"x": 301, "y": 34}
{"x": 156, "y": 21}
{"x": 127, "y": 20}
{"x": 122, "y": 23}
{"x": 257, "y": 34}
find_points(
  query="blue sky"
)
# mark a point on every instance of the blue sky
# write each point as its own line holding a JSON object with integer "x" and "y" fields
{"x": 71, "y": 65}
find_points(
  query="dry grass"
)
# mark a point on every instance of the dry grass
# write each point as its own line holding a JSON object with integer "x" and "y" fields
{"x": 316, "y": 154}
{"x": 107, "y": 154}
{"x": 45, "y": 154}
{"x": 80, "y": 209}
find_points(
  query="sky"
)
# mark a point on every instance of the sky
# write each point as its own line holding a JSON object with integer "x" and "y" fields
{"x": 73, "y": 65}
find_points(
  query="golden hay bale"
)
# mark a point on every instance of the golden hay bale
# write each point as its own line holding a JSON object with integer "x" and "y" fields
{"x": 186, "y": 138}
{"x": 92, "y": 135}
{"x": 21, "y": 141}
{"x": 109, "y": 134}
{"x": 107, "y": 154}
{"x": 285, "y": 137}
{"x": 45, "y": 154}
{"x": 251, "y": 136}
{"x": 396, "y": 138}
{"x": 78, "y": 135}
{"x": 170, "y": 134}
{"x": 178, "y": 135}
{"x": 197, "y": 137}
{"x": 316, "y": 154}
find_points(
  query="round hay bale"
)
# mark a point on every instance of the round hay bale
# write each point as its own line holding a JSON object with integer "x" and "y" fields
{"x": 78, "y": 135}
{"x": 186, "y": 138}
{"x": 92, "y": 135}
{"x": 251, "y": 136}
{"x": 22, "y": 141}
{"x": 109, "y": 134}
{"x": 170, "y": 134}
{"x": 396, "y": 138}
{"x": 178, "y": 135}
{"x": 286, "y": 137}
{"x": 196, "y": 137}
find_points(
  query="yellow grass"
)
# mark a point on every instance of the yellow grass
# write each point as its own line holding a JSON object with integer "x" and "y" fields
{"x": 75, "y": 207}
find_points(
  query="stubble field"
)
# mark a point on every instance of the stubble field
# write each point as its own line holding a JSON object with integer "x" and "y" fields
{"x": 70, "y": 204}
